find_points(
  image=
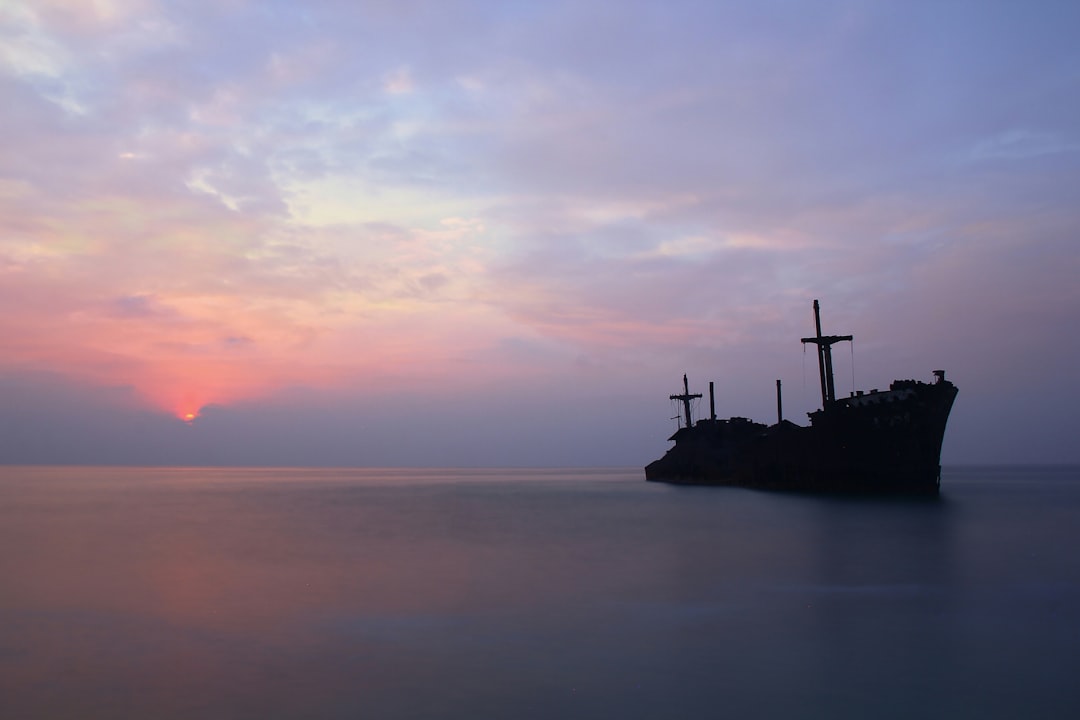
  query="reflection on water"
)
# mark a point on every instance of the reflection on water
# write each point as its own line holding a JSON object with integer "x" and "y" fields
{"x": 178, "y": 593}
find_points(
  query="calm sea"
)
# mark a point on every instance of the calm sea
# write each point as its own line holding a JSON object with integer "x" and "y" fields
{"x": 281, "y": 593}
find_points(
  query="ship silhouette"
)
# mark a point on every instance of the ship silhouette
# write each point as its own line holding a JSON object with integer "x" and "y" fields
{"x": 882, "y": 441}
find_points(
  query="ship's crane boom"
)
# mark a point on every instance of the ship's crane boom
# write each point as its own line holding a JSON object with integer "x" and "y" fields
{"x": 686, "y": 397}
{"x": 824, "y": 347}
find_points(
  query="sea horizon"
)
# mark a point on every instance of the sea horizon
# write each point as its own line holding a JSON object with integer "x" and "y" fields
{"x": 944, "y": 467}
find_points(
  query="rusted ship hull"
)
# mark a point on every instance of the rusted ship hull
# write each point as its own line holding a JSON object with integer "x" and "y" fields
{"x": 888, "y": 442}
{"x": 877, "y": 442}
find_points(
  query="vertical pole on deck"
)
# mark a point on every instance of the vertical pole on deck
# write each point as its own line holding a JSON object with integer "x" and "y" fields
{"x": 779, "y": 405}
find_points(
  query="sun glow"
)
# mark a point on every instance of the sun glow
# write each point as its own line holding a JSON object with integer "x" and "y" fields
{"x": 187, "y": 406}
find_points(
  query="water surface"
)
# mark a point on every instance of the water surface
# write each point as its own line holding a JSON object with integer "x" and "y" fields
{"x": 256, "y": 593}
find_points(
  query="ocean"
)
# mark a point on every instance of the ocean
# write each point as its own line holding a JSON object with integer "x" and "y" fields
{"x": 569, "y": 593}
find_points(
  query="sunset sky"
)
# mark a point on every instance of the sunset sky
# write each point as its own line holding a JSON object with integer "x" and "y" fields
{"x": 413, "y": 232}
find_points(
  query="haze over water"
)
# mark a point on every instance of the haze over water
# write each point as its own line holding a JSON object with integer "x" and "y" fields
{"x": 253, "y": 593}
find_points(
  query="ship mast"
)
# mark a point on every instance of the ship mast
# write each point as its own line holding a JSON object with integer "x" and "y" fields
{"x": 686, "y": 397}
{"x": 824, "y": 347}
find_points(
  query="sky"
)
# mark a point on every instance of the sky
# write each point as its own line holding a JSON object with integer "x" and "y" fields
{"x": 486, "y": 233}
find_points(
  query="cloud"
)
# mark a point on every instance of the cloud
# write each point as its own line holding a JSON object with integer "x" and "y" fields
{"x": 1020, "y": 144}
{"x": 138, "y": 306}
{"x": 398, "y": 82}
{"x": 210, "y": 203}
